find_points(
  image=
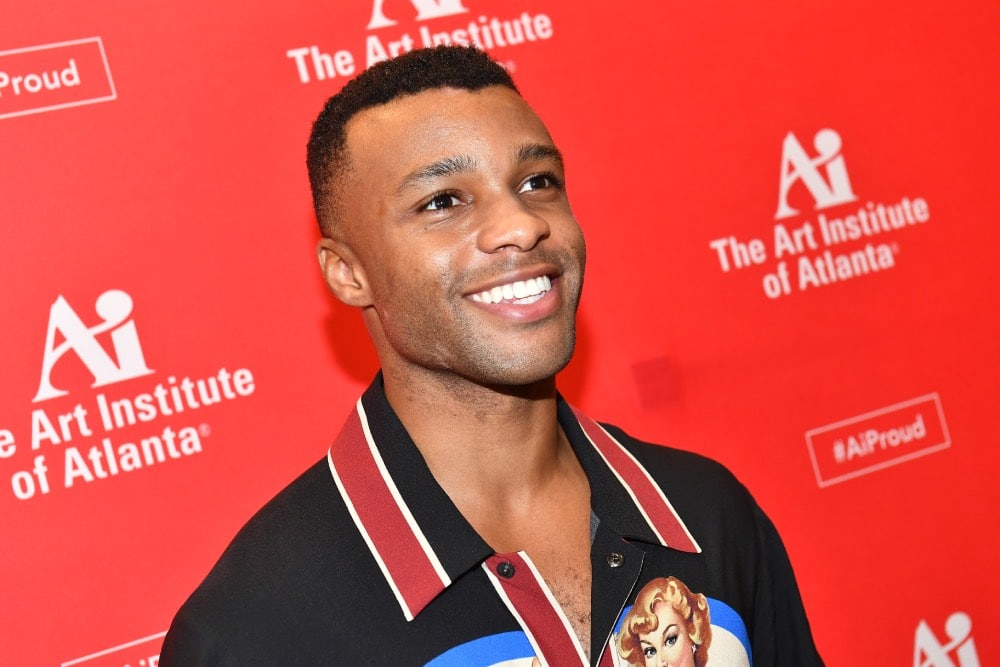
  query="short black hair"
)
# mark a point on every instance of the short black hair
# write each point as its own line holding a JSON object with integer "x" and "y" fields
{"x": 462, "y": 67}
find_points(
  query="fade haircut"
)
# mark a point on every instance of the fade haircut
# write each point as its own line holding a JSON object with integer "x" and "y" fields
{"x": 465, "y": 68}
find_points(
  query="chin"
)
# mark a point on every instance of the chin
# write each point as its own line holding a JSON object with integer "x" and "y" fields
{"x": 527, "y": 371}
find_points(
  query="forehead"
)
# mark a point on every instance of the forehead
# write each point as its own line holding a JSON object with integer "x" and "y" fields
{"x": 417, "y": 129}
{"x": 664, "y": 609}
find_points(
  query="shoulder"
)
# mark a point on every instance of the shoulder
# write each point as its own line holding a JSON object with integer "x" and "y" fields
{"x": 287, "y": 521}
{"x": 680, "y": 468}
{"x": 705, "y": 494}
{"x": 276, "y": 566}
{"x": 307, "y": 518}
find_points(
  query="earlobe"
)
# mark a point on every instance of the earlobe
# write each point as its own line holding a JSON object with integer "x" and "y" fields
{"x": 343, "y": 274}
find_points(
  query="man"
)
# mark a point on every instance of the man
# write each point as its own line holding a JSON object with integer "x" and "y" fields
{"x": 465, "y": 514}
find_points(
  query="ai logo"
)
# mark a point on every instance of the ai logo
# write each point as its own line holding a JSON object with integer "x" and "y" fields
{"x": 929, "y": 652}
{"x": 426, "y": 9}
{"x": 114, "y": 307}
{"x": 796, "y": 165}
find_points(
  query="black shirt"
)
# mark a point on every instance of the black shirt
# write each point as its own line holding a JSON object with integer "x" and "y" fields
{"x": 364, "y": 560}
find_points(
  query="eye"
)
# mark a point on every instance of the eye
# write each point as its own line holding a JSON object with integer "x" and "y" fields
{"x": 671, "y": 639}
{"x": 441, "y": 201}
{"x": 539, "y": 182}
{"x": 649, "y": 651}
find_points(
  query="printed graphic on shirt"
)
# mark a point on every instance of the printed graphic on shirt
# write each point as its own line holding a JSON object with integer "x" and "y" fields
{"x": 671, "y": 625}
{"x": 507, "y": 649}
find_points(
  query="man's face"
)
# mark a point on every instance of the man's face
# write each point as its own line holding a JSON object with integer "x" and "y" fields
{"x": 455, "y": 211}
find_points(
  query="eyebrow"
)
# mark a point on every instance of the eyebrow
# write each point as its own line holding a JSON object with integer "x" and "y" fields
{"x": 463, "y": 164}
{"x": 529, "y": 152}
{"x": 456, "y": 164}
{"x": 663, "y": 634}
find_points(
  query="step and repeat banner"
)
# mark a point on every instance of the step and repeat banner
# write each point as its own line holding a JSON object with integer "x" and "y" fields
{"x": 791, "y": 216}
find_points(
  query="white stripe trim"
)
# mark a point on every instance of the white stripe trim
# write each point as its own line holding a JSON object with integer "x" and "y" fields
{"x": 368, "y": 540}
{"x": 631, "y": 493}
{"x": 391, "y": 485}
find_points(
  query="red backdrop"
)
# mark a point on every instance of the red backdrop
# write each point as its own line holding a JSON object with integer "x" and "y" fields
{"x": 745, "y": 298}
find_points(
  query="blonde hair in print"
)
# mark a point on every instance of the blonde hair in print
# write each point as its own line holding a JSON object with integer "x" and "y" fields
{"x": 641, "y": 619}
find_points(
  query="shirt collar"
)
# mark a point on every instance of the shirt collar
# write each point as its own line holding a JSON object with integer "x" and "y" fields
{"x": 418, "y": 537}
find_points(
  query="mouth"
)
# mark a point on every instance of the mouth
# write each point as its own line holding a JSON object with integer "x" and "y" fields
{"x": 519, "y": 292}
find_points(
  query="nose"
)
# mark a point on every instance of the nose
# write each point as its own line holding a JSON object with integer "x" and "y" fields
{"x": 510, "y": 224}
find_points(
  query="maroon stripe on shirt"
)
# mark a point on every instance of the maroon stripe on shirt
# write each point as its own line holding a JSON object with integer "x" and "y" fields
{"x": 606, "y": 658}
{"x": 379, "y": 515}
{"x": 650, "y": 498}
{"x": 535, "y": 609}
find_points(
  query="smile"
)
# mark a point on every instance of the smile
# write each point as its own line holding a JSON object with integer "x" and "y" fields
{"x": 521, "y": 292}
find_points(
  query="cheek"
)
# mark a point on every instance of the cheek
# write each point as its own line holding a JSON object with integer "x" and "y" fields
{"x": 577, "y": 242}
{"x": 397, "y": 269}
{"x": 679, "y": 649}
{"x": 411, "y": 286}
{"x": 571, "y": 231}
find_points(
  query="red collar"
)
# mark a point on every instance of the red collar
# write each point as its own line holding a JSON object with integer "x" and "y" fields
{"x": 368, "y": 475}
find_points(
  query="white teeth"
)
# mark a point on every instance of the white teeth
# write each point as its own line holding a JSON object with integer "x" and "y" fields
{"x": 520, "y": 292}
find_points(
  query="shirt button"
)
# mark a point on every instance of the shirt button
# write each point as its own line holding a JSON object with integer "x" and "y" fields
{"x": 615, "y": 559}
{"x": 505, "y": 569}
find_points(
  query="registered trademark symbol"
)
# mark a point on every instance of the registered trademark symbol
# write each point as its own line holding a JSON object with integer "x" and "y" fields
{"x": 205, "y": 429}
{"x": 510, "y": 65}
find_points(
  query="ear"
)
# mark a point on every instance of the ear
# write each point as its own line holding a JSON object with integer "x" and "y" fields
{"x": 343, "y": 273}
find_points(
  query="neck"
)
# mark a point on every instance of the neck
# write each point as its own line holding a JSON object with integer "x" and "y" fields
{"x": 499, "y": 454}
{"x": 481, "y": 443}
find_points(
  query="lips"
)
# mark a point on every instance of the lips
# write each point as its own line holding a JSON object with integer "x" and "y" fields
{"x": 520, "y": 292}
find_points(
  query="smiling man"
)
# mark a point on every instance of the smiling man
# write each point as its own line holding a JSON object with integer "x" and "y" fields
{"x": 465, "y": 514}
